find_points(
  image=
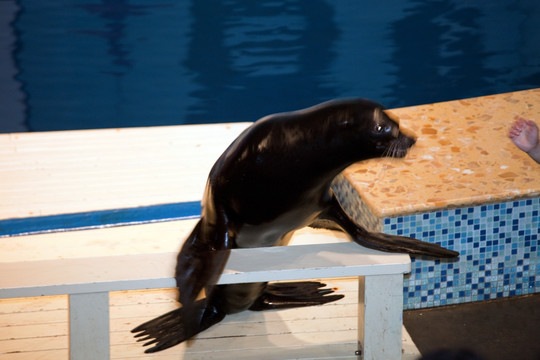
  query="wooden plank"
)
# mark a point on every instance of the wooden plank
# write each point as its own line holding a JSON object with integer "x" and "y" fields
{"x": 123, "y": 240}
{"x": 249, "y": 331}
{"x": 33, "y": 304}
{"x": 18, "y": 331}
{"x": 130, "y": 308}
{"x": 138, "y": 297}
{"x": 330, "y": 312}
{"x": 56, "y": 354}
{"x": 37, "y": 318}
{"x": 115, "y": 241}
{"x": 72, "y": 276}
{"x": 36, "y": 344}
{"x": 48, "y": 173}
{"x": 270, "y": 352}
{"x": 262, "y": 327}
{"x": 125, "y": 313}
{"x": 280, "y": 342}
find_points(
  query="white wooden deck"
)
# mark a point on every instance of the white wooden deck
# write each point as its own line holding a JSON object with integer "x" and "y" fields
{"x": 65, "y": 172}
{"x": 73, "y": 171}
{"x": 36, "y": 328}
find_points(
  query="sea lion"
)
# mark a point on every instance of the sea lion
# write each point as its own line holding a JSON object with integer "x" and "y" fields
{"x": 272, "y": 180}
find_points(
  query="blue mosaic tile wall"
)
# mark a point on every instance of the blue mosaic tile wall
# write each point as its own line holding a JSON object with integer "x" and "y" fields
{"x": 499, "y": 247}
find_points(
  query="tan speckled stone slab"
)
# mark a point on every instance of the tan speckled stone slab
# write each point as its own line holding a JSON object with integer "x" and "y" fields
{"x": 462, "y": 157}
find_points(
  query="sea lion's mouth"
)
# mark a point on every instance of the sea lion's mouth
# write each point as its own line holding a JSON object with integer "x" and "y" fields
{"x": 398, "y": 147}
{"x": 399, "y": 153}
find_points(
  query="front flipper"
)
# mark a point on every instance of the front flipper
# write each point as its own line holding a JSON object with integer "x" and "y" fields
{"x": 294, "y": 294}
{"x": 335, "y": 217}
{"x": 168, "y": 329}
{"x": 199, "y": 265}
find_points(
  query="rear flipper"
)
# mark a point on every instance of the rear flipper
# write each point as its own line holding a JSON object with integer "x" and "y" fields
{"x": 294, "y": 294}
{"x": 334, "y": 217}
{"x": 401, "y": 244}
{"x": 169, "y": 329}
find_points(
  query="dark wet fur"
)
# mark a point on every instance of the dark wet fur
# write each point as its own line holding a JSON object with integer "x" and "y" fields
{"x": 298, "y": 154}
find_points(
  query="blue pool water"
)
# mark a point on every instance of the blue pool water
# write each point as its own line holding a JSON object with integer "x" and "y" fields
{"x": 121, "y": 63}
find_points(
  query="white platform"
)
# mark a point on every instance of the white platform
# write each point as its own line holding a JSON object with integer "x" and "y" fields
{"x": 65, "y": 172}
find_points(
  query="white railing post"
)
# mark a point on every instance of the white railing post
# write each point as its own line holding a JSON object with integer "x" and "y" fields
{"x": 89, "y": 333}
{"x": 380, "y": 316}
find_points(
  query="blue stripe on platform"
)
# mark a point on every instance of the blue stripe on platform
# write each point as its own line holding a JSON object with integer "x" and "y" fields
{"x": 99, "y": 219}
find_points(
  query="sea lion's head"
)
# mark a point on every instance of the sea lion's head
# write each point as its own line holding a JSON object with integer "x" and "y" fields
{"x": 336, "y": 132}
{"x": 388, "y": 138}
{"x": 371, "y": 131}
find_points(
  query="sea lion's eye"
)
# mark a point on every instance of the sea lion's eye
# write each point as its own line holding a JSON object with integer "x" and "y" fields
{"x": 378, "y": 128}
